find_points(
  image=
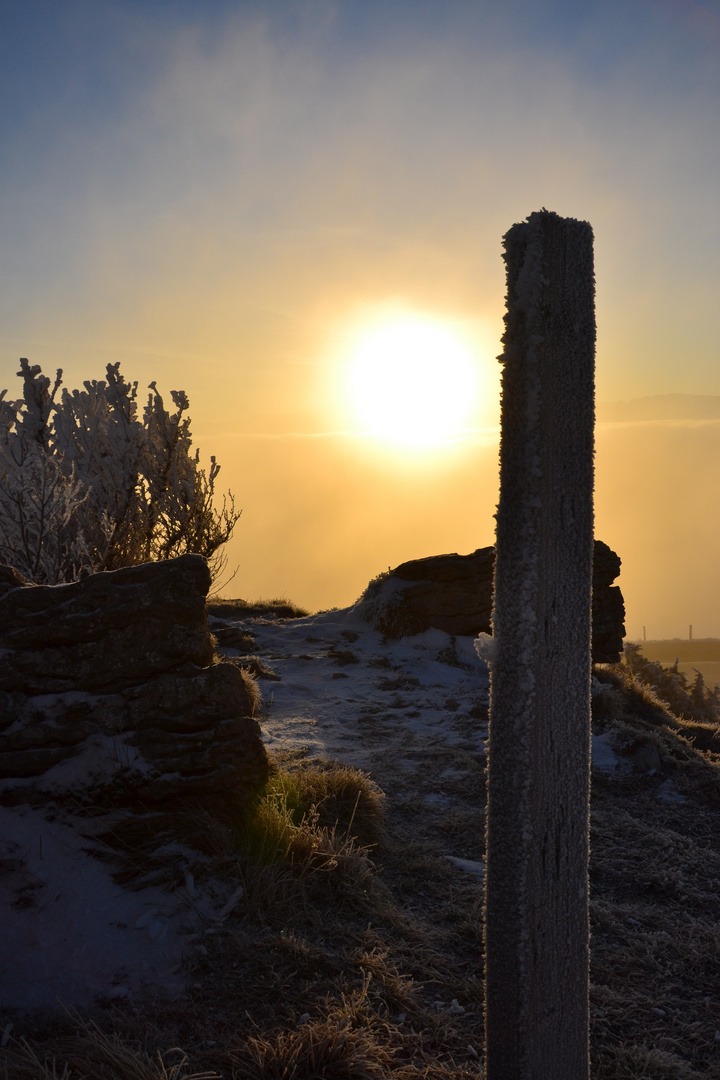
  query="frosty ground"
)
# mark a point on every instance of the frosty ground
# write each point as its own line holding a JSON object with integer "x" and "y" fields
{"x": 399, "y": 711}
{"x": 382, "y": 967}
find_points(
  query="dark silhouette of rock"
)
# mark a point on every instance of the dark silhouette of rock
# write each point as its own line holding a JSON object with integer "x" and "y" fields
{"x": 107, "y": 631}
{"x": 608, "y": 606}
{"x": 450, "y": 592}
{"x": 108, "y": 688}
{"x": 454, "y": 593}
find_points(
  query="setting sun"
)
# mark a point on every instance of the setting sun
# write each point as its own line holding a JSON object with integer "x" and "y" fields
{"x": 413, "y": 380}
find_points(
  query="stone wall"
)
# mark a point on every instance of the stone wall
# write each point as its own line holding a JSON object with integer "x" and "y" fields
{"x": 109, "y": 688}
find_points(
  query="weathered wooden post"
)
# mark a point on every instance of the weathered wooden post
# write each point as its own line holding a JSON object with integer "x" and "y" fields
{"x": 536, "y": 925}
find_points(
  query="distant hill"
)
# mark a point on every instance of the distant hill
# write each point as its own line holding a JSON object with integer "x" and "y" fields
{"x": 661, "y": 407}
{"x": 670, "y": 649}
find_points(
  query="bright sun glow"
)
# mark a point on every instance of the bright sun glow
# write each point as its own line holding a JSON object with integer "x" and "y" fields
{"x": 413, "y": 380}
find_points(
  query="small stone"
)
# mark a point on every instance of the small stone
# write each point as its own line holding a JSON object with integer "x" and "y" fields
{"x": 470, "y": 866}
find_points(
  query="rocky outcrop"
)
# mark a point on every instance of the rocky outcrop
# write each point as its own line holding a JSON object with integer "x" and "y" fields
{"x": 450, "y": 592}
{"x": 109, "y": 688}
{"x": 454, "y": 593}
{"x": 608, "y": 606}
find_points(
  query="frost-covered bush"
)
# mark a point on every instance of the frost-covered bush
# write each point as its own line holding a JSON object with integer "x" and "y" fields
{"x": 86, "y": 484}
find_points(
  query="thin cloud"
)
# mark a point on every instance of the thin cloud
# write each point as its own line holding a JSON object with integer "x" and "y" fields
{"x": 612, "y": 425}
{"x": 470, "y": 435}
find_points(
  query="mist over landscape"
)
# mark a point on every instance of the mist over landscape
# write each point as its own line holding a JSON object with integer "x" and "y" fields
{"x": 221, "y": 197}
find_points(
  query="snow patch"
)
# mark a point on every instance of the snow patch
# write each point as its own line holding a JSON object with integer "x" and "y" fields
{"x": 70, "y": 934}
{"x": 603, "y": 755}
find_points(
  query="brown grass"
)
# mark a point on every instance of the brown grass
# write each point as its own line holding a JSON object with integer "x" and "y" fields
{"x": 92, "y": 1052}
{"x": 277, "y": 608}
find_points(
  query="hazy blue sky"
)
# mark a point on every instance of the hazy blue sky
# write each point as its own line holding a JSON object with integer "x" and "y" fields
{"x": 213, "y": 192}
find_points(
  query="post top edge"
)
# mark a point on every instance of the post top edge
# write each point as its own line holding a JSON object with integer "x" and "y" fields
{"x": 535, "y": 220}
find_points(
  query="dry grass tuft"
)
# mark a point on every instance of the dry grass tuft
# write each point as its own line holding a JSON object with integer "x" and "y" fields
{"x": 342, "y": 797}
{"x": 93, "y": 1053}
{"x": 277, "y": 608}
{"x": 305, "y": 810}
{"x": 307, "y": 840}
{"x": 253, "y": 666}
{"x": 327, "y": 1048}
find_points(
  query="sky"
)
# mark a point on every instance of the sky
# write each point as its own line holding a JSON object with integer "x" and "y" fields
{"x": 232, "y": 198}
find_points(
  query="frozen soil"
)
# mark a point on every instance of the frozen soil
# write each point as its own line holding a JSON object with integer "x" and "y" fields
{"x": 373, "y": 967}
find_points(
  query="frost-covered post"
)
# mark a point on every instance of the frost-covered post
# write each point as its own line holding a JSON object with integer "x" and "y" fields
{"x": 536, "y": 929}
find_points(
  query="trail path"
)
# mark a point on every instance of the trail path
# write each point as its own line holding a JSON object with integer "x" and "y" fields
{"x": 388, "y": 707}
